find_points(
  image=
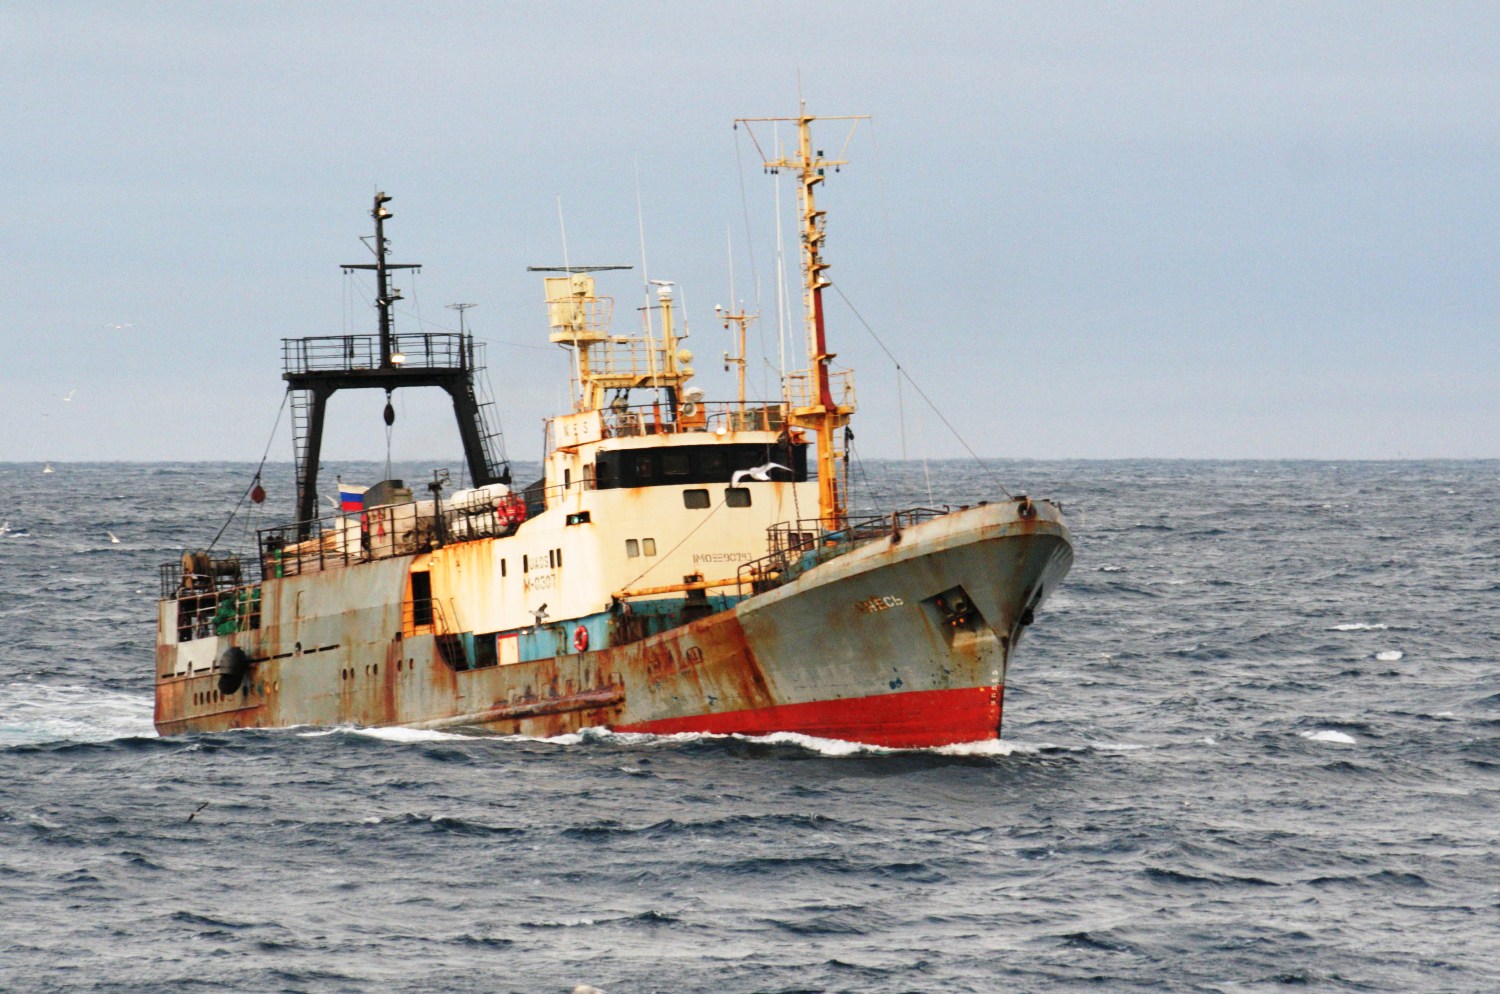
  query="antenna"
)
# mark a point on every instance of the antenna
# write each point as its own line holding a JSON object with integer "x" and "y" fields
{"x": 573, "y": 269}
{"x": 562, "y": 226}
{"x": 460, "y": 308}
{"x": 640, "y": 223}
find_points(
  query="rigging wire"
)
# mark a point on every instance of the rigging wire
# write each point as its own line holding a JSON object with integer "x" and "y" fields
{"x": 712, "y": 511}
{"x": 890, "y": 245}
{"x": 917, "y": 387}
{"x": 255, "y": 480}
{"x": 859, "y": 463}
{"x": 416, "y": 302}
{"x": 750, "y": 250}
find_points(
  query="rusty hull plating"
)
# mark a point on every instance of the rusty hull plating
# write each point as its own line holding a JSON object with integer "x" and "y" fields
{"x": 861, "y": 647}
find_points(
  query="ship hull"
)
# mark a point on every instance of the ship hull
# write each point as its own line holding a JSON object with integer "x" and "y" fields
{"x": 902, "y": 642}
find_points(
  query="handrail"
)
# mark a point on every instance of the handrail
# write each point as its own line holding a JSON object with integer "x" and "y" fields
{"x": 635, "y": 420}
{"x": 418, "y": 350}
{"x": 797, "y": 546}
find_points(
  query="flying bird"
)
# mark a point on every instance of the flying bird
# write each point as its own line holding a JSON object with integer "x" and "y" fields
{"x": 70, "y": 394}
{"x": 762, "y": 473}
{"x": 113, "y": 538}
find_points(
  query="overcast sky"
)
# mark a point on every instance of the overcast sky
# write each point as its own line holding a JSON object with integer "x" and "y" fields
{"x": 1086, "y": 230}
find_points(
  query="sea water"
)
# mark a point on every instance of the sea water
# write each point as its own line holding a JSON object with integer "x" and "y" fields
{"x": 1252, "y": 744}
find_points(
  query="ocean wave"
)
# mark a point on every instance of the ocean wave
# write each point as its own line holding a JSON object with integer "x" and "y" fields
{"x": 41, "y": 714}
{"x": 396, "y": 733}
{"x": 1329, "y": 735}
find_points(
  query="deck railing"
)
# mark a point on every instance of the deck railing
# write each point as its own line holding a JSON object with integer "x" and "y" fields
{"x": 798, "y": 546}
{"x": 418, "y": 350}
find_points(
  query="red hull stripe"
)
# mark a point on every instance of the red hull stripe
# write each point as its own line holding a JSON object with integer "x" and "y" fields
{"x": 915, "y": 720}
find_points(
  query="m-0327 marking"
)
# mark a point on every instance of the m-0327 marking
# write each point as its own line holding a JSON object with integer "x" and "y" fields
{"x": 874, "y": 604}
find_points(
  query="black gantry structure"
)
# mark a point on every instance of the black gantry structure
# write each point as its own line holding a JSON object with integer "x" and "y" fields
{"x": 314, "y": 368}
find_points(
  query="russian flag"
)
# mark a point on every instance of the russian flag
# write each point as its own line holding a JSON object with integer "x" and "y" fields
{"x": 351, "y": 498}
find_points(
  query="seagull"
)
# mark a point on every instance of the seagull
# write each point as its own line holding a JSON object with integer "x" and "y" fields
{"x": 119, "y": 325}
{"x": 113, "y": 538}
{"x": 70, "y": 394}
{"x": 762, "y": 473}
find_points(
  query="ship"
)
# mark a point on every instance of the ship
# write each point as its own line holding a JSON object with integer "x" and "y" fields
{"x": 682, "y": 565}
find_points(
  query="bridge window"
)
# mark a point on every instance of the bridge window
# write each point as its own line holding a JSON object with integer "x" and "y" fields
{"x": 648, "y": 546}
{"x": 712, "y": 463}
{"x": 737, "y": 496}
{"x": 695, "y": 499}
{"x": 632, "y": 548}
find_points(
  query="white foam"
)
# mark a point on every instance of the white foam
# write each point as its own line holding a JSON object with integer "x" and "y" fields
{"x": 1359, "y": 626}
{"x": 1329, "y": 735}
{"x": 989, "y": 747}
{"x": 399, "y": 734}
{"x": 1389, "y": 655}
{"x": 38, "y": 713}
{"x": 826, "y": 747}
{"x": 1111, "y": 568}
{"x": 812, "y": 743}
{"x": 1117, "y": 746}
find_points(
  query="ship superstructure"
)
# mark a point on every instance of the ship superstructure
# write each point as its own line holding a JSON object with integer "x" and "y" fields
{"x": 681, "y": 565}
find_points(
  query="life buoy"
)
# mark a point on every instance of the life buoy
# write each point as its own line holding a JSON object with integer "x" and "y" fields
{"x": 581, "y": 639}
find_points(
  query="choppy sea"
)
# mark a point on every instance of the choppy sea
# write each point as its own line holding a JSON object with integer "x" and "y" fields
{"x": 1253, "y": 744}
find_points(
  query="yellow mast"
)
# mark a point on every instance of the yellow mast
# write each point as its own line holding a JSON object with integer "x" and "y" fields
{"x": 815, "y": 407}
{"x": 739, "y": 319}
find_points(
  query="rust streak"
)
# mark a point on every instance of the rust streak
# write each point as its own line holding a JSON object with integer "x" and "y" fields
{"x": 589, "y": 700}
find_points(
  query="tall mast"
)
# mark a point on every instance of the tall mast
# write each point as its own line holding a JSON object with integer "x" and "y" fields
{"x": 735, "y": 322}
{"x": 815, "y": 406}
{"x": 386, "y": 294}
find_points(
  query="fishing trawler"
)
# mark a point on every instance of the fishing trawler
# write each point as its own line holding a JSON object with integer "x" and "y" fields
{"x": 682, "y": 565}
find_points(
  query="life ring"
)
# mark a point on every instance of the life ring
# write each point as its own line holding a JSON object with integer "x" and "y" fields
{"x": 234, "y": 663}
{"x": 581, "y": 639}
